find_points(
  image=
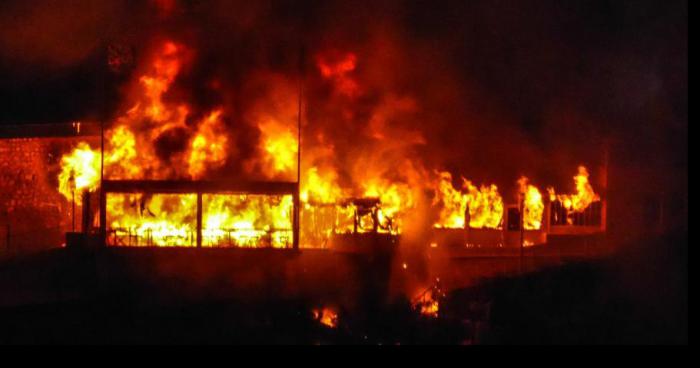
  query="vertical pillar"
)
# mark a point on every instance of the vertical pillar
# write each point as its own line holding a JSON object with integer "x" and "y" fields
{"x": 604, "y": 215}
{"x": 521, "y": 205}
{"x": 375, "y": 220}
{"x": 103, "y": 216}
{"x": 467, "y": 220}
{"x": 86, "y": 212}
{"x": 199, "y": 219}
{"x": 295, "y": 220}
{"x": 73, "y": 210}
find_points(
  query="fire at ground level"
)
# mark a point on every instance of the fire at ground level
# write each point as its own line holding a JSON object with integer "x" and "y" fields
{"x": 573, "y": 290}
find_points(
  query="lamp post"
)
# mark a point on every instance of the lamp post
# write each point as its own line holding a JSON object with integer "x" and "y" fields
{"x": 72, "y": 185}
{"x": 521, "y": 204}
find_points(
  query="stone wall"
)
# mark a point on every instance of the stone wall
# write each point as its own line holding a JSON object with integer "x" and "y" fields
{"x": 32, "y": 211}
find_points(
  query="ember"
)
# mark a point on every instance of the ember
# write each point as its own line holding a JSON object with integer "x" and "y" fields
{"x": 326, "y": 316}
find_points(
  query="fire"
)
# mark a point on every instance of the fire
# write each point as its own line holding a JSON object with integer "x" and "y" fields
{"x": 484, "y": 204}
{"x": 199, "y": 145}
{"x": 427, "y": 302}
{"x": 280, "y": 147}
{"x": 584, "y": 193}
{"x": 533, "y": 207}
{"x": 158, "y": 220}
{"x": 202, "y": 144}
{"x": 247, "y": 220}
{"x": 326, "y": 316}
{"x": 120, "y": 159}
{"x": 80, "y": 170}
{"x": 429, "y": 306}
{"x": 159, "y": 136}
{"x": 320, "y": 186}
{"x": 395, "y": 200}
{"x": 208, "y": 147}
{"x": 454, "y": 203}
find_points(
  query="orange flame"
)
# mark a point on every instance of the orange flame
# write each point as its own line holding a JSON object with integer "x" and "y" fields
{"x": 584, "y": 193}
{"x": 485, "y": 204}
{"x": 203, "y": 145}
{"x": 427, "y": 303}
{"x": 533, "y": 207}
{"x": 80, "y": 170}
{"x": 326, "y": 316}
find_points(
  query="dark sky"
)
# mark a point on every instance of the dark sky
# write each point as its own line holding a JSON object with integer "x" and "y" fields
{"x": 550, "y": 73}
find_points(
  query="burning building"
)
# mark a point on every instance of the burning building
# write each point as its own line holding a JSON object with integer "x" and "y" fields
{"x": 326, "y": 149}
{"x": 162, "y": 176}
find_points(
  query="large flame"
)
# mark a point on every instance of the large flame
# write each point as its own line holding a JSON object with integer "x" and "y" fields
{"x": 80, "y": 170}
{"x": 584, "y": 196}
{"x": 161, "y": 137}
{"x": 201, "y": 145}
{"x": 280, "y": 146}
{"x": 395, "y": 200}
{"x": 247, "y": 220}
{"x": 533, "y": 207}
{"x": 483, "y": 204}
{"x": 156, "y": 220}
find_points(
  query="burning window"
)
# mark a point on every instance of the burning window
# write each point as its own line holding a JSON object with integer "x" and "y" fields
{"x": 151, "y": 219}
{"x": 235, "y": 220}
{"x": 199, "y": 213}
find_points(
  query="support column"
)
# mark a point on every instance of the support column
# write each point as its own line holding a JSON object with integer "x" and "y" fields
{"x": 103, "y": 217}
{"x": 86, "y": 212}
{"x": 199, "y": 219}
{"x": 521, "y": 206}
{"x": 295, "y": 221}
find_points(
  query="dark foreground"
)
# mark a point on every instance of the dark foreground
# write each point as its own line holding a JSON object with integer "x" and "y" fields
{"x": 638, "y": 295}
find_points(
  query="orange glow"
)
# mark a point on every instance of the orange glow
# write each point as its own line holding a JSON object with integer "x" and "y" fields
{"x": 280, "y": 147}
{"x": 80, "y": 170}
{"x": 160, "y": 136}
{"x": 208, "y": 147}
{"x": 583, "y": 197}
{"x": 320, "y": 186}
{"x": 395, "y": 199}
{"x": 338, "y": 67}
{"x": 533, "y": 207}
{"x": 155, "y": 220}
{"x": 427, "y": 304}
{"x": 454, "y": 203}
{"x": 326, "y": 316}
{"x": 247, "y": 220}
{"x": 484, "y": 204}
{"x": 160, "y": 220}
